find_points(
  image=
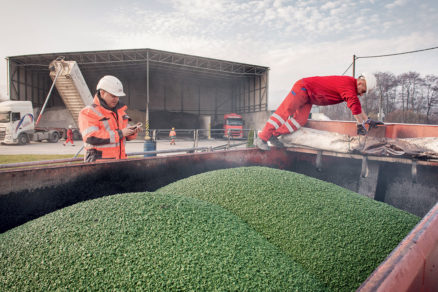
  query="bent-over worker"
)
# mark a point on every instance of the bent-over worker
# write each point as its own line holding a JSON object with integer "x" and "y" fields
{"x": 104, "y": 124}
{"x": 294, "y": 111}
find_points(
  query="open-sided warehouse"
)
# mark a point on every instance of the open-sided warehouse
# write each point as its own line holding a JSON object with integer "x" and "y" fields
{"x": 178, "y": 88}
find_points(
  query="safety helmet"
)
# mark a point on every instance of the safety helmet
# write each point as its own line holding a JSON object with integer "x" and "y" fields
{"x": 69, "y": 126}
{"x": 370, "y": 79}
{"x": 111, "y": 85}
{"x": 173, "y": 128}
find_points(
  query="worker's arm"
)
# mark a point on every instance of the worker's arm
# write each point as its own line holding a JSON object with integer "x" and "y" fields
{"x": 92, "y": 130}
{"x": 361, "y": 118}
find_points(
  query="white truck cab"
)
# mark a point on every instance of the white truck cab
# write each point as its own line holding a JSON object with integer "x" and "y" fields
{"x": 16, "y": 122}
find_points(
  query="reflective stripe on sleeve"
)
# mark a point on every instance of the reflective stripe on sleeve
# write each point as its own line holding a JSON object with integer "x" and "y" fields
{"x": 90, "y": 130}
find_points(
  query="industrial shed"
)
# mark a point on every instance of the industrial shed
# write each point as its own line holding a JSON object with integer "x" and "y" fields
{"x": 177, "y": 88}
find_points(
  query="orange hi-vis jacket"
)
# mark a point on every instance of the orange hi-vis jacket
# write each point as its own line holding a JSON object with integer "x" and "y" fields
{"x": 101, "y": 128}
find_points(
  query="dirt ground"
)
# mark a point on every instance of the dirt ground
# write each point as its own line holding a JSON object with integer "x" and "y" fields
{"x": 131, "y": 146}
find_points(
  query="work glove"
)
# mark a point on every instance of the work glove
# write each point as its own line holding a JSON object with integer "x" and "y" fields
{"x": 361, "y": 129}
{"x": 372, "y": 123}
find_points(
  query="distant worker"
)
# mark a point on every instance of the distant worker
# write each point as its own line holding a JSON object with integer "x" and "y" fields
{"x": 172, "y": 135}
{"x": 104, "y": 124}
{"x": 294, "y": 111}
{"x": 69, "y": 136}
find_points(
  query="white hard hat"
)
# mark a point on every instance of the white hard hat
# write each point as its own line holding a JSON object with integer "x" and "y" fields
{"x": 370, "y": 79}
{"x": 69, "y": 126}
{"x": 111, "y": 84}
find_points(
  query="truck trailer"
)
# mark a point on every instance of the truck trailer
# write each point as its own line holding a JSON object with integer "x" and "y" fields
{"x": 17, "y": 118}
{"x": 17, "y": 125}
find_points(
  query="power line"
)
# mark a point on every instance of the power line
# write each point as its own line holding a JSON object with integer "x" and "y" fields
{"x": 395, "y": 54}
{"x": 388, "y": 55}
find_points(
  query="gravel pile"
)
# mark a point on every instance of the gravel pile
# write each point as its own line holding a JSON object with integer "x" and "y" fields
{"x": 244, "y": 229}
{"x": 337, "y": 235}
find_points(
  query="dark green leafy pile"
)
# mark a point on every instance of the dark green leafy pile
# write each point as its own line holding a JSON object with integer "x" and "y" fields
{"x": 145, "y": 241}
{"x": 337, "y": 235}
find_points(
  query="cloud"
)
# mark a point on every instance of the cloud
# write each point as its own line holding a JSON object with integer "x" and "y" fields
{"x": 395, "y": 4}
{"x": 294, "y": 38}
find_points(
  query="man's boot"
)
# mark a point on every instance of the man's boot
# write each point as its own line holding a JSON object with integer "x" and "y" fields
{"x": 262, "y": 145}
{"x": 275, "y": 142}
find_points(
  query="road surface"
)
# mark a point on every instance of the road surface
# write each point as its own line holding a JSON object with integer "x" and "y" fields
{"x": 131, "y": 146}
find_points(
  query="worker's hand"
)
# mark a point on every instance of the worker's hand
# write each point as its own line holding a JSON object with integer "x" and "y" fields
{"x": 373, "y": 124}
{"x": 136, "y": 127}
{"x": 361, "y": 129}
{"x": 128, "y": 132}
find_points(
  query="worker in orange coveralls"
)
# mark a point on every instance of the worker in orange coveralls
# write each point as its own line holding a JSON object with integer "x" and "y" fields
{"x": 69, "y": 136}
{"x": 172, "y": 135}
{"x": 104, "y": 124}
{"x": 294, "y": 111}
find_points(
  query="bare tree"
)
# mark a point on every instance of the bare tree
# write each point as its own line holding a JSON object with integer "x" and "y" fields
{"x": 408, "y": 82}
{"x": 430, "y": 93}
{"x": 386, "y": 89}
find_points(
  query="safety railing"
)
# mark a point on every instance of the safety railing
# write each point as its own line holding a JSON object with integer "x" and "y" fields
{"x": 194, "y": 135}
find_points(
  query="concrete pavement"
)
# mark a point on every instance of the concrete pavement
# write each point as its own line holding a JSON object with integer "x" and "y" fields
{"x": 131, "y": 146}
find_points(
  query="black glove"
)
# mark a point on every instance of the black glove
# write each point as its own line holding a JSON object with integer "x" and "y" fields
{"x": 361, "y": 129}
{"x": 372, "y": 123}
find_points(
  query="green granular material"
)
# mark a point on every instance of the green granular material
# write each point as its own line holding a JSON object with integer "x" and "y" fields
{"x": 145, "y": 241}
{"x": 337, "y": 235}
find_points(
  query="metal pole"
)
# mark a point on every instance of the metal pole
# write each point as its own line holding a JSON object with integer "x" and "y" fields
{"x": 148, "y": 144}
{"x": 8, "y": 78}
{"x": 194, "y": 138}
{"x": 147, "y": 137}
{"x": 354, "y": 65}
{"x": 47, "y": 98}
{"x": 267, "y": 88}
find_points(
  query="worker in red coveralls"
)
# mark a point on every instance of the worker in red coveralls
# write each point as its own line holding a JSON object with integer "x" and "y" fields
{"x": 172, "y": 135}
{"x": 69, "y": 136}
{"x": 294, "y": 111}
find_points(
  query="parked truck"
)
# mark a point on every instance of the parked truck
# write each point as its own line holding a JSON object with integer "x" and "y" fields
{"x": 17, "y": 120}
{"x": 17, "y": 124}
{"x": 233, "y": 126}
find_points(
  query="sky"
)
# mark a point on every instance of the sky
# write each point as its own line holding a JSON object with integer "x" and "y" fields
{"x": 295, "y": 39}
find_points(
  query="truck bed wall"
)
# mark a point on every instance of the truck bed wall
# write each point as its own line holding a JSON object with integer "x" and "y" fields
{"x": 29, "y": 193}
{"x": 26, "y": 194}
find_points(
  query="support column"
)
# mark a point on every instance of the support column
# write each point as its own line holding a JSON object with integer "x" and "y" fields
{"x": 149, "y": 144}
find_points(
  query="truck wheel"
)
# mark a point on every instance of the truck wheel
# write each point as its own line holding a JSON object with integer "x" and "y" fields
{"x": 77, "y": 135}
{"x": 54, "y": 137}
{"x": 23, "y": 139}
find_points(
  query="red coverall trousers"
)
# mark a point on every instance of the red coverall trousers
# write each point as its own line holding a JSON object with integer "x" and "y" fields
{"x": 292, "y": 113}
{"x": 69, "y": 137}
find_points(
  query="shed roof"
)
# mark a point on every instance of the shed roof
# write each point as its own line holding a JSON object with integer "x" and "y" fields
{"x": 136, "y": 59}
